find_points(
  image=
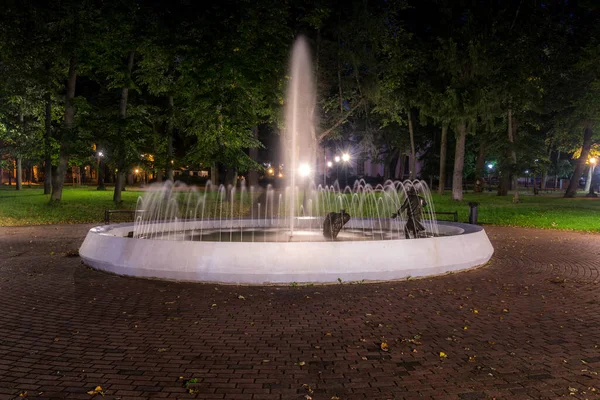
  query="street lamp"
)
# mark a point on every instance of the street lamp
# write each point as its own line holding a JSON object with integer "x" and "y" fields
{"x": 329, "y": 165}
{"x": 337, "y": 158}
{"x": 304, "y": 171}
{"x": 591, "y": 193}
{"x": 100, "y": 171}
{"x": 346, "y": 160}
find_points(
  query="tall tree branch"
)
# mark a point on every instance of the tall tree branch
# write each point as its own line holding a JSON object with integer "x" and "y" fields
{"x": 340, "y": 121}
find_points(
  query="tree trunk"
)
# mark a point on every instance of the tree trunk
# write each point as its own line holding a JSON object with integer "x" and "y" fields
{"x": 413, "y": 156}
{"x": 214, "y": 174}
{"x": 389, "y": 164}
{"x": 253, "y": 153}
{"x": 19, "y": 180}
{"x": 585, "y": 150}
{"x": 544, "y": 179}
{"x": 512, "y": 125}
{"x": 58, "y": 178}
{"x": 170, "y": 142}
{"x": 47, "y": 145}
{"x": 459, "y": 162}
{"x": 443, "y": 145}
{"x": 121, "y": 154}
{"x": 588, "y": 181}
{"x": 479, "y": 166}
{"x": 402, "y": 166}
{"x": 1, "y": 175}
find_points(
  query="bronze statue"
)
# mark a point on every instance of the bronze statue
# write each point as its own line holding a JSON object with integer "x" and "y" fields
{"x": 334, "y": 222}
{"x": 413, "y": 205}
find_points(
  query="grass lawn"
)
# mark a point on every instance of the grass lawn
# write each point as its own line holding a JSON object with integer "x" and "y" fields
{"x": 544, "y": 211}
{"x": 79, "y": 205}
{"x": 82, "y": 205}
{"x": 86, "y": 205}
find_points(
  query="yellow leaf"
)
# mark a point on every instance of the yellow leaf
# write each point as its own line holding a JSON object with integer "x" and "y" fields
{"x": 301, "y": 363}
{"x": 384, "y": 346}
{"x": 465, "y": 327}
{"x": 241, "y": 297}
{"x": 443, "y": 355}
{"x": 475, "y": 311}
{"x": 328, "y": 334}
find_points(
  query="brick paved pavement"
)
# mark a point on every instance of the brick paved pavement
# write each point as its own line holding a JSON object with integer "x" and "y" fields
{"x": 526, "y": 326}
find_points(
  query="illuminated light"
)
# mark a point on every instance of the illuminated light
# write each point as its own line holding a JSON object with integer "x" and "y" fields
{"x": 270, "y": 171}
{"x": 137, "y": 171}
{"x": 329, "y": 164}
{"x": 100, "y": 154}
{"x": 304, "y": 170}
{"x": 490, "y": 166}
{"x": 345, "y": 157}
{"x": 280, "y": 175}
{"x": 526, "y": 171}
{"x": 337, "y": 158}
{"x": 171, "y": 162}
{"x": 593, "y": 160}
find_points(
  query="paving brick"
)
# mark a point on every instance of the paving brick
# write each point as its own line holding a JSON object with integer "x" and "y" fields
{"x": 538, "y": 317}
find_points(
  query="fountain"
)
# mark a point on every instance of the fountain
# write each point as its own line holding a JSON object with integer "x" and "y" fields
{"x": 317, "y": 233}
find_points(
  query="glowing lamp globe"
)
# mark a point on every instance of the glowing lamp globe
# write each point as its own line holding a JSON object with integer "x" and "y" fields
{"x": 304, "y": 170}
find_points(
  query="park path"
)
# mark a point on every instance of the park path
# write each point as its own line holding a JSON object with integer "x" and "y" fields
{"x": 526, "y": 326}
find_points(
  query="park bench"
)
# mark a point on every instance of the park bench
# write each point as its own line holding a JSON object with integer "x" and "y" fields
{"x": 453, "y": 213}
{"x": 130, "y": 213}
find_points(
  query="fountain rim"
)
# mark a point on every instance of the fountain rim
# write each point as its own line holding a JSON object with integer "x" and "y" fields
{"x": 266, "y": 263}
{"x": 448, "y": 228}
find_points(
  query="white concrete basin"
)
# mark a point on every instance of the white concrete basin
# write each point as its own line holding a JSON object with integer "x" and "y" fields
{"x": 108, "y": 248}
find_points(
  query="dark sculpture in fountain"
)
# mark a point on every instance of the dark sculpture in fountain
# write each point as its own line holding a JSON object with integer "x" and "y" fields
{"x": 413, "y": 205}
{"x": 333, "y": 223}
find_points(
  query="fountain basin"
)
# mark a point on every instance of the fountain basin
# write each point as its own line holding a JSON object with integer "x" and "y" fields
{"x": 108, "y": 248}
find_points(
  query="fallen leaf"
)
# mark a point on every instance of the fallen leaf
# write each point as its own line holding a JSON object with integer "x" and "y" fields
{"x": 241, "y": 297}
{"x": 301, "y": 363}
{"x": 97, "y": 390}
{"x": 443, "y": 355}
{"x": 384, "y": 346}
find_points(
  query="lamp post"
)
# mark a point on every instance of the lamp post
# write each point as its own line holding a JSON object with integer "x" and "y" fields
{"x": 337, "y": 159}
{"x": 346, "y": 160}
{"x": 329, "y": 164}
{"x": 100, "y": 171}
{"x": 304, "y": 171}
{"x": 490, "y": 168}
{"x": 591, "y": 193}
